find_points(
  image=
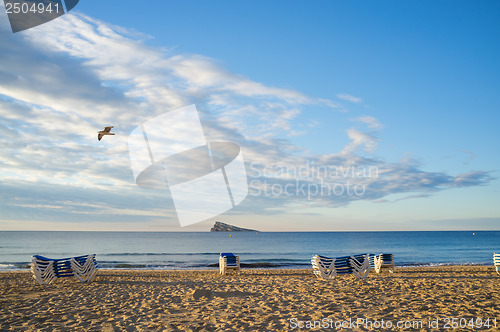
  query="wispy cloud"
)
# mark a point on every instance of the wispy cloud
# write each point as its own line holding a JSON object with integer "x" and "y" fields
{"x": 61, "y": 82}
{"x": 370, "y": 121}
{"x": 360, "y": 140}
{"x": 348, "y": 97}
{"x": 64, "y": 80}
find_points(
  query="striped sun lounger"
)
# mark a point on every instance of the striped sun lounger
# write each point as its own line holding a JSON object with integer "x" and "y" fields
{"x": 229, "y": 262}
{"x": 329, "y": 268}
{"x": 45, "y": 270}
{"x": 496, "y": 261}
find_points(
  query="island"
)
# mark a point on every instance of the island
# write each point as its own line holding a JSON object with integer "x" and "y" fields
{"x": 222, "y": 227}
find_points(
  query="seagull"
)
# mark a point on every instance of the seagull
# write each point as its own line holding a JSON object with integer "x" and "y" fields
{"x": 106, "y": 131}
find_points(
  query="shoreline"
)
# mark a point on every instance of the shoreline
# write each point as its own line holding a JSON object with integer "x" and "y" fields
{"x": 256, "y": 300}
{"x": 424, "y": 268}
{"x": 248, "y": 267}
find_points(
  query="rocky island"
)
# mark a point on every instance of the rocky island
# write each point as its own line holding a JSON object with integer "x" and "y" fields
{"x": 222, "y": 227}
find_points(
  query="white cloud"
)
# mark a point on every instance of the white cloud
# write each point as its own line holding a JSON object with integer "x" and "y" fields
{"x": 366, "y": 142}
{"x": 64, "y": 80}
{"x": 350, "y": 98}
{"x": 370, "y": 121}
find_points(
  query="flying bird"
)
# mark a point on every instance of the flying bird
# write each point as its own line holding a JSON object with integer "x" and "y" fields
{"x": 106, "y": 131}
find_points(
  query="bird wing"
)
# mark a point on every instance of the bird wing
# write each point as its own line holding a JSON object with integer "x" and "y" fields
{"x": 108, "y": 129}
{"x": 99, "y": 136}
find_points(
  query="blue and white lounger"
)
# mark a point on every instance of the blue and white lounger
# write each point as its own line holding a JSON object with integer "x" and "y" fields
{"x": 45, "y": 270}
{"x": 328, "y": 268}
{"x": 496, "y": 261}
{"x": 228, "y": 261}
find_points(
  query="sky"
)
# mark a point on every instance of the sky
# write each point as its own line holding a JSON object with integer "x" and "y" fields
{"x": 350, "y": 115}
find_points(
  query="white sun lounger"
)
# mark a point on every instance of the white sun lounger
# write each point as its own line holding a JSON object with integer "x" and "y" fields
{"x": 496, "y": 261}
{"x": 329, "y": 268}
{"x": 229, "y": 262}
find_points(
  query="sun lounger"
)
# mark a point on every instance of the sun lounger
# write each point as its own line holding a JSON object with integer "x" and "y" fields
{"x": 360, "y": 265}
{"x": 496, "y": 261}
{"x": 45, "y": 270}
{"x": 324, "y": 267}
{"x": 84, "y": 267}
{"x": 382, "y": 261}
{"x": 42, "y": 270}
{"x": 328, "y": 268}
{"x": 229, "y": 262}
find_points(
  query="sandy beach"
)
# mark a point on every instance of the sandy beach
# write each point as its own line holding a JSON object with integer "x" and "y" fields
{"x": 411, "y": 299}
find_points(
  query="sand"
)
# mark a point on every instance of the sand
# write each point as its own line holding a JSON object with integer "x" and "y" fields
{"x": 257, "y": 300}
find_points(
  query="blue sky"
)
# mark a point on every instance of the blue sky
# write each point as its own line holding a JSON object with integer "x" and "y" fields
{"x": 408, "y": 88}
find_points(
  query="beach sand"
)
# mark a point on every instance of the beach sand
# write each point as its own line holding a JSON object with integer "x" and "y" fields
{"x": 256, "y": 300}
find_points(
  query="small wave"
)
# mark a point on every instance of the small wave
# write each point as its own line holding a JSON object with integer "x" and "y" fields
{"x": 438, "y": 264}
{"x": 199, "y": 265}
{"x": 14, "y": 266}
{"x": 161, "y": 254}
{"x": 180, "y": 254}
{"x": 269, "y": 265}
{"x": 150, "y": 267}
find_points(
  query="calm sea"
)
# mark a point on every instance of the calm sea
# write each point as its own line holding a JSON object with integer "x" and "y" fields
{"x": 200, "y": 250}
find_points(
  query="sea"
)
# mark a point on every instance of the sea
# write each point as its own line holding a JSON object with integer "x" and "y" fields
{"x": 274, "y": 250}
